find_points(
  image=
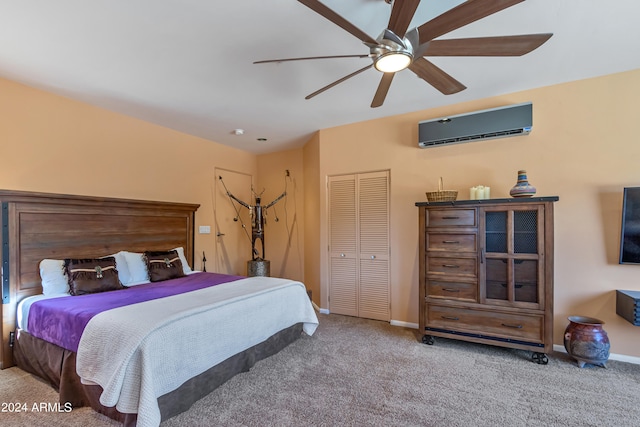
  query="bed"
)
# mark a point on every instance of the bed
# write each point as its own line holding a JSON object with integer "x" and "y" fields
{"x": 224, "y": 323}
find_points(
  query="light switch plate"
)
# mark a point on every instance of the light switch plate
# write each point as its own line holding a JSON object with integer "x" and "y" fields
{"x": 204, "y": 229}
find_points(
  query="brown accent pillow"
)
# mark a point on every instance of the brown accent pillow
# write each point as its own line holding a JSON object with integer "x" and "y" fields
{"x": 89, "y": 276}
{"x": 163, "y": 265}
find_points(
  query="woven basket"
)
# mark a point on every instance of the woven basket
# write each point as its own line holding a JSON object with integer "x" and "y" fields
{"x": 441, "y": 195}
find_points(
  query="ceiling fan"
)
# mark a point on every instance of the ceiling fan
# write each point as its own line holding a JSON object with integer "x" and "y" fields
{"x": 396, "y": 48}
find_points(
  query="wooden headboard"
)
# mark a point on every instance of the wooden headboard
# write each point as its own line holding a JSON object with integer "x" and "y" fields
{"x": 38, "y": 225}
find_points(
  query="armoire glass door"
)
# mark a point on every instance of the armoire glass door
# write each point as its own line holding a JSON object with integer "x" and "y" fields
{"x": 511, "y": 255}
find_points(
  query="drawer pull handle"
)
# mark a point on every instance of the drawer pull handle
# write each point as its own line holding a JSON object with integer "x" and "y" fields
{"x": 450, "y": 318}
{"x": 450, "y": 217}
{"x": 506, "y": 325}
{"x": 450, "y": 290}
{"x": 450, "y": 266}
{"x": 450, "y": 241}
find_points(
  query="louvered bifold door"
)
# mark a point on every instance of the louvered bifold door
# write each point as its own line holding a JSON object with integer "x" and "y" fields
{"x": 343, "y": 296}
{"x": 359, "y": 245}
{"x": 373, "y": 221}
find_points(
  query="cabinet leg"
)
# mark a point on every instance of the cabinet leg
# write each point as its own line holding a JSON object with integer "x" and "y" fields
{"x": 540, "y": 358}
{"x": 428, "y": 339}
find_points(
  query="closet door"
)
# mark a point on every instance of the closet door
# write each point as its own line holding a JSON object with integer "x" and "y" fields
{"x": 359, "y": 245}
{"x": 343, "y": 292}
{"x": 373, "y": 248}
{"x": 232, "y": 223}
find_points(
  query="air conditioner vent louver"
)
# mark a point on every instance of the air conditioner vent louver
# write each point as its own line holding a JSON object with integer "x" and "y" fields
{"x": 500, "y": 122}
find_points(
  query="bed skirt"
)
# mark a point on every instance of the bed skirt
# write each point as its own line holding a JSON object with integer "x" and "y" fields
{"x": 57, "y": 366}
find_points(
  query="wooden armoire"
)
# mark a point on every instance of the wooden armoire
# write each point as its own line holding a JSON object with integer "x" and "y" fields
{"x": 486, "y": 272}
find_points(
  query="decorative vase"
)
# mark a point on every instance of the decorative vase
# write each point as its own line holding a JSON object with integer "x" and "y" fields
{"x": 586, "y": 341}
{"x": 522, "y": 187}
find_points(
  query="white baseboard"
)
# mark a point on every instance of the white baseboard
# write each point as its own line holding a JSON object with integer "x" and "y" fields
{"x": 613, "y": 356}
{"x": 318, "y": 309}
{"x": 404, "y": 324}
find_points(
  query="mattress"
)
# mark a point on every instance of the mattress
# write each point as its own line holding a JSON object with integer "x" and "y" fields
{"x": 220, "y": 321}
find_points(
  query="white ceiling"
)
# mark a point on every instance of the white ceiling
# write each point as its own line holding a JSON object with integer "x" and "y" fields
{"x": 188, "y": 64}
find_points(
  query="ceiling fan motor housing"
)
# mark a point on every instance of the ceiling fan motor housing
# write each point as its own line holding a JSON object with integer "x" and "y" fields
{"x": 390, "y": 45}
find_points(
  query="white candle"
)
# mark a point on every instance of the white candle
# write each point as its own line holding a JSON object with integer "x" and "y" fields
{"x": 472, "y": 193}
{"x": 487, "y": 192}
{"x": 480, "y": 192}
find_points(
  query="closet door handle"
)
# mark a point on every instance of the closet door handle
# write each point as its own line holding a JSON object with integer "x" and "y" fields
{"x": 450, "y": 290}
{"x": 450, "y": 241}
{"x": 450, "y": 266}
{"x": 373, "y": 257}
{"x": 450, "y": 217}
{"x": 342, "y": 255}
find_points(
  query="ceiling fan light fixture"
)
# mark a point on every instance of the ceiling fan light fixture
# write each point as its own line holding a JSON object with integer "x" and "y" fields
{"x": 393, "y": 61}
{"x": 398, "y": 47}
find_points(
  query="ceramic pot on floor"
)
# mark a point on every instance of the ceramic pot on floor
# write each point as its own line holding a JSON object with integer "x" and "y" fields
{"x": 586, "y": 341}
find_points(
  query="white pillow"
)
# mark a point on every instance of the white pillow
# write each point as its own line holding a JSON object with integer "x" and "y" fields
{"x": 137, "y": 268}
{"x": 122, "y": 267}
{"x": 183, "y": 260}
{"x": 54, "y": 281}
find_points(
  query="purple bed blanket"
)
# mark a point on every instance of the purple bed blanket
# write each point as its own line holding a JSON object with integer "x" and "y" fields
{"x": 61, "y": 321}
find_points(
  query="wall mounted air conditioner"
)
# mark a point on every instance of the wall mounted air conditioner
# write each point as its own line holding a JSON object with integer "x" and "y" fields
{"x": 510, "y": 120}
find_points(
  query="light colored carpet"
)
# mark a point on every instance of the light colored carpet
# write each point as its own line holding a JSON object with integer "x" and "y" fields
{"x": 357, "y": 372}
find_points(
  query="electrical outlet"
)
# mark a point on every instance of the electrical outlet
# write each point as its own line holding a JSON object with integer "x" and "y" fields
{"x": 204, "y": 229}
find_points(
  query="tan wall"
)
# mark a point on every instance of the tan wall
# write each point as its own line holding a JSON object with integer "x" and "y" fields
{"x": 312, "y": 215}
{"x": 284, "y": 238}
{"x": 53, "y": 144}
{"x": 583, "y": 148}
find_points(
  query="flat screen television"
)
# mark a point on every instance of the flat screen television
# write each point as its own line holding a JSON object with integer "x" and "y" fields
{"x": 630, "y": 234}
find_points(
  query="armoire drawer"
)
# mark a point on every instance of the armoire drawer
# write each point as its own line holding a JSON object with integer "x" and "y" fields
{"x": 452, "y": 265}
{"x": 455, "y": 242}
{"x": 527, "y": 327}
{"x": 451, "y": 217}
{"x": 452, "y": 290}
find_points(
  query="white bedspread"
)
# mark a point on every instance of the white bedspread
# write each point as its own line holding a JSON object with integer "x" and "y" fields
{"x": 137, "y": 353}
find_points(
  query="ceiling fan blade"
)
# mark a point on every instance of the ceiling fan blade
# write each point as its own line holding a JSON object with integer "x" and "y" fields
{"x": 265, "y": 61}
{"x": 461, "y": 15}
{"x": 323, "y": 10}
{"x": 383, "y": 88}
{"x": 401, "y": 16}
{"x": 485, "y": 46}
{"x": 436, "y": 77}
{"x": 329, "y": 86}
